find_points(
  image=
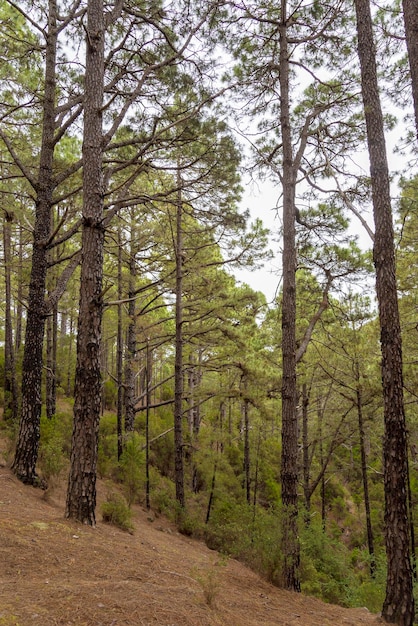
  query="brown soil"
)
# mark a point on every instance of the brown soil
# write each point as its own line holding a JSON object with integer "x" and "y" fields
{"x": 53, "y": 571}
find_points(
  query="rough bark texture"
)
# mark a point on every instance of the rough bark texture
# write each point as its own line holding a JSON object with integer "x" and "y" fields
{"x": 81, "y": 494}
{"x": 10, "y": 385}
{"x": 24, "y": 464}
{"x": 289, "y": 472}
{"x": 19, "y": 296}
{"x": 129, "y": 396}
{"x": 398, "y": 607}
{"x": 362, "y": 438}
{"x": 51, "y": 363}
{"x": 247, "y": 479}
{"x": 178, "y": 365}
{"x": 147, "y": 440}
{"x": 119, "y": 349}
{"x": 305, "y": 448}
{"x": 410, "y": 14}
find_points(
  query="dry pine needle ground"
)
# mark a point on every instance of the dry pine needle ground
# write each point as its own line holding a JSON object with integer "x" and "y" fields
{"x": 56, "y": 572}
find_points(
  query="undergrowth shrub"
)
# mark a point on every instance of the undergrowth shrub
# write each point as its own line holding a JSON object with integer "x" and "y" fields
{"x": 368, "y": 591}
{"x": 188, "y": 523}
{"x": 132, "y": 468}
{"x": 252, "y": 536}
{"x": 163, "y": 494}
{"x": 326, "y": 571}
{"x": 51, "y": 457}
{"x": 107, "y": 458}
{"x": 115, "y": 510}
{"x": 210, "y": 582}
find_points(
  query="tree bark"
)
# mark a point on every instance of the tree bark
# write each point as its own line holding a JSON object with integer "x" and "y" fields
{"x": 178, "y": 365}
{"x": 24, "y": 464}
{"x": 10, "y": 384}
{"x": 131, "y": 340}
{"x": 147, "y": 438}
{"x": 119, "y": 350}
{"x": 19, "y": 306}
{"x": 81, "y": 493}
{"x": 289, "y": 471}
{"x": 51, "y": 363}
{"x": 410, "y": 15}
{"x": 247, "y": 479}
{"x": 359, "y": 403}
{"x": 398, "y": 607}
{"x": 305, "y": 448}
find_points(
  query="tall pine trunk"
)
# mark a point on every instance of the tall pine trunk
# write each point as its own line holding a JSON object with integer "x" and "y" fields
{"x": 51, "y": 364}
{"x": 10, "y": 385}
{"x": 289, "y": 473}
{"x": 410, "y": 14}
{"x": 81, "y": 494}
{"x": 305, "y": 453}
{"x": 247, "y": 479}
{"x": 362, "y": 438}
{"x": 119, "y": 350}
{"x": 24, "y": 464}
{"x": 178, "y": 365}
{"x": 19, "y": 297}
{"x": 129, "y": 396}
{"x": 398, "y": 607}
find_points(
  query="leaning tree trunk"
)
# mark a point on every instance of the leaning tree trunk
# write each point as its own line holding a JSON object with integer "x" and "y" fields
{"x": 24, "y": 464}
{"x": 398, "y": 607}
{"x": 289, "y": 472}
{"x": 81, "y": 494}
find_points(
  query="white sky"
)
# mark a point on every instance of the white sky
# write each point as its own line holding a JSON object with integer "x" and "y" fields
{"x": 262, "y": 199}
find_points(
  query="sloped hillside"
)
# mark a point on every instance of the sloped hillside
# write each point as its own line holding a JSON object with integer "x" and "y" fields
{"x": 56, "y": 572}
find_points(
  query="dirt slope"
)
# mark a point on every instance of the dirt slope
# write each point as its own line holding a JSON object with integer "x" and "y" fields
{"x": 57, "y": 572}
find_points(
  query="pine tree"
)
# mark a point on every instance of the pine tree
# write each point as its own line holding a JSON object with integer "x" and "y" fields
{"x": 398, "y": 606}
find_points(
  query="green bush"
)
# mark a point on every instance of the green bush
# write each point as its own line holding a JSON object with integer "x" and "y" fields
{"x": 51, "y": 457}
{"x": 368, "y": 591}
{"x": 251, "y": 536}
{"x": 210, "y": 582}
{"x": 107, "y": 460}
{"x": 326, "y": 571}
{"x": 163, "y": 494}
{"x": 188, "y": 524}
{"x": 132, "y": 468}
{"x": 110, "y": 394}
{"x": 117, "y": 512}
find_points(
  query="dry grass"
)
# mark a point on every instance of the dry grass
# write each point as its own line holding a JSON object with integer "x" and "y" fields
{"x": 56, "y": 572}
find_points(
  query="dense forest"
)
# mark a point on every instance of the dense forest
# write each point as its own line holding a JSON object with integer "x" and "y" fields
{"x": 282, "y": 433}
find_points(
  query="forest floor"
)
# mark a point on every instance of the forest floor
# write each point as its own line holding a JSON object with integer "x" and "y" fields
{"x": 57, "y": 572}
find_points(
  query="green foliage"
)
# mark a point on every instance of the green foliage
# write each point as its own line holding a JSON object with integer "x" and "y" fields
{"x": 210, "y": 581}
{"x": 252, "y": 536}
{"x": 110, "y": 392}
{"x": 107, "y": 459}
{"x": 116, "y": 511}
{"x": 189, "y": 524}
{"x": 54, "y": 433}
{"x": 132, "y": 468}
{"x": 325, "y": 566}
{"x": 368, "y": 591}
{"x": 163, "y": 494}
